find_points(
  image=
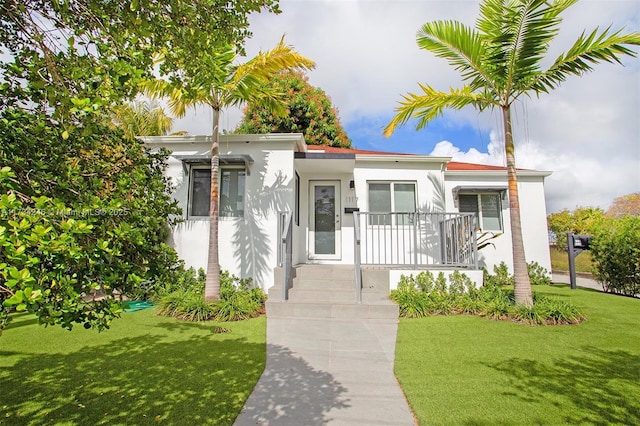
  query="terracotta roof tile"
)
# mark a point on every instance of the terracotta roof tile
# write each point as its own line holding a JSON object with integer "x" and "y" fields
{"x": 455, "y": 165}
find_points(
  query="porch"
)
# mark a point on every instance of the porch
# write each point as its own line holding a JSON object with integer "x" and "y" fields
{"x": 382, "y": 242}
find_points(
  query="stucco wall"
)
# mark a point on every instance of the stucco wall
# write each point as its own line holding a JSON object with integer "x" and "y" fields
{"x": 247, "y": 245}
{"x": 532, "y": 211}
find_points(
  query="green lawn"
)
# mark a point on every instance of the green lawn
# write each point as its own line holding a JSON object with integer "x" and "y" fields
{"x": 466, "y": 370}
{"x": 145, "y": 370}
{"x": 560, "y": 260}
{"x": 461, "y": 370}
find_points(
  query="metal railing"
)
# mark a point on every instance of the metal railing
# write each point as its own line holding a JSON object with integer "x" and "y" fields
{"x": 415, "y": 239}
{"x": 285, "y": 250}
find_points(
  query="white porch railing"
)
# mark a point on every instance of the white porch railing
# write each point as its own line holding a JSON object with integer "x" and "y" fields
{"x": 397, "y": 239}
{"x": 414, "y": 240}
{"x": 285, "y": 250}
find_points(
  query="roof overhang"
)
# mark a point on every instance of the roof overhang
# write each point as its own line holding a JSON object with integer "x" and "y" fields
{"x": 402, "y": 158}
{"x": 225, "y": 159}
{"x": 316, "y": 162}
{"x": 297, "y": 139}
{"x": 497, "y": 173}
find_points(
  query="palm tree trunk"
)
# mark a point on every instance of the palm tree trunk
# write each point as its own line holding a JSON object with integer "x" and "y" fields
{"x": 522, "y": 289}
{"x": 212, "y": 283}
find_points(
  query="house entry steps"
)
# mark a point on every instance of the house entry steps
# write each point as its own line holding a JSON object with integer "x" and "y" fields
{"x": 329, "y": 359}
{"x": 329, "y": 291}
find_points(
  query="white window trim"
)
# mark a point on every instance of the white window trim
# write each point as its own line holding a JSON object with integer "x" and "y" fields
{"x": 392, "y": 184}
{"x": 190, "y": 193}
{"x": 479, "y": 201}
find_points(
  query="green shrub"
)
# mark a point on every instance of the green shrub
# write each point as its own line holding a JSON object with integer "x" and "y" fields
{"x": 420, "y": 296}
{"x": 238, "y": 299}
{"x": 557, "y": 311}
{"x": 501, "y": 275}
{"x": 537, "y": 274}
{"x": 424, "y": 281}
{"x": 411, "y": 300}
{"x": 615, "y": 252}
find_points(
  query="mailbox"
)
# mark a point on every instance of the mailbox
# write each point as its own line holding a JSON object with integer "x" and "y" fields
{"x": 582, "y": 241}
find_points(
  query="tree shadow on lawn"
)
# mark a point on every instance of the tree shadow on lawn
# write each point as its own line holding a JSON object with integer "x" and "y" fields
{"x": 202, "y": 379}
{"x": 198, "y": 380}
{"x": 596, "y": 387}
{"x": 151, "y": 379}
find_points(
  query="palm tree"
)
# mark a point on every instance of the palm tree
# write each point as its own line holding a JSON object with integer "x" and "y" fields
{"x": 500, "y": 60}
{"x": 219, "y": 83}
{"x": 142, "y": 118}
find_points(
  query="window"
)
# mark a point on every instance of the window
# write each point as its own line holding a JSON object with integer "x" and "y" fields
{"x": 200, "y": 192}
{"x": 232, "y": 187}
{"x": 487, "y": 206}
{"x": 385, "y": 197}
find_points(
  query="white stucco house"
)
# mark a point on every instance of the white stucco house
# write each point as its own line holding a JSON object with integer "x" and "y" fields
{"x": 394, "y": 213}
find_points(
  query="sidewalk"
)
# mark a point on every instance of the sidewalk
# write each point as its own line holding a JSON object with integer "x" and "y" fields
{"x": 560, "y": 278}
{"x": 323, "y": 371}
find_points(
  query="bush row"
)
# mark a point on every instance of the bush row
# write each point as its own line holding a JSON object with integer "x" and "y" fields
{"x": 424, "y": 295}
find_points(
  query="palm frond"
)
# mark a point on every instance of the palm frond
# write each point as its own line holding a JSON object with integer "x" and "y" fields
{"x": 460, "y": 45}
{"x": 431, "y": 103}
{"x": 267, "y": 64}
{"x": 588, "y": 50}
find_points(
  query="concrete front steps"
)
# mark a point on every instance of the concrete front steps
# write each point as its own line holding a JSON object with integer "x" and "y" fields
{"x": 329, "y": 291}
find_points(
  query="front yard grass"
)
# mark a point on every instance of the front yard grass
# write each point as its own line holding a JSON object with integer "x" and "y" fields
{"x": 467, "y": 370}
{"x": 146, "y": 369}
{"x": 560, "y": 260}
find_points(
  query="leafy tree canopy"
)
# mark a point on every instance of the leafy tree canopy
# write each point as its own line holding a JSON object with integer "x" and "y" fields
{"x": 309, "y": 111}
{"x": 81, "y": 215}
{"x": 98, "y": 50}
{"x": 625, "y": 205}
{"x": 83, "y": 208}
{"x": 582, "y": 220}
{"x": 142, "y": 118}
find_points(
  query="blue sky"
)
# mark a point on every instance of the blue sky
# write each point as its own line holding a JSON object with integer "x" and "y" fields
{"x": 366, "y": 133}
{"x": 587, "y": 132}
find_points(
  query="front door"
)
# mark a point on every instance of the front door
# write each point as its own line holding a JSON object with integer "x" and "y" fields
{"x": 324, "y": 220}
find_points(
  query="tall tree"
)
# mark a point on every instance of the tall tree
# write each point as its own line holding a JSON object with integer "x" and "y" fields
{"x": 84, "y": 208}
{"x": 98, "y": 50}
{"x": 625, "y": 205}
{"x": 500, "y": 60}
{"x": 142, "y": 118}
{"x": 309, "y": 111}
{"x": 215, "y": 80}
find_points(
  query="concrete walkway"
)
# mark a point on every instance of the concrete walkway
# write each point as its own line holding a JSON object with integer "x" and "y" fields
{"x": 327, "y": 371}
{"x": 562, "y": 278}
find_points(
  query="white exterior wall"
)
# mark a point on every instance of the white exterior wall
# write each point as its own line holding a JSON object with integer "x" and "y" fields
{"x": 364, "y": 171}
{"x": 532, "y": 215}
{"x": 247, "y": 245}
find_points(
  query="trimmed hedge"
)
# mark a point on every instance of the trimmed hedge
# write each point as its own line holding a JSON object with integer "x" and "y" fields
{"x": 615, "y": 251}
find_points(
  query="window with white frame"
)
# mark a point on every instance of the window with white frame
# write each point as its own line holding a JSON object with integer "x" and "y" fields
{"x": 488, "y": 207}
{"x": 391, "y": 197}
{"x": 231, "y": 192}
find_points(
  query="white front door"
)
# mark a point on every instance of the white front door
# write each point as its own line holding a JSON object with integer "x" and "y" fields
{"x": 324, "y": 220}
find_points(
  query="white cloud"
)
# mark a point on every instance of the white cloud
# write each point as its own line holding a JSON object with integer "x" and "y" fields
{"x": 587, "y": 132}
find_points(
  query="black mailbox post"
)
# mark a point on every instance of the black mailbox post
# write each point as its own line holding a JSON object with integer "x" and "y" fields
{"x": 576, "y": 244}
